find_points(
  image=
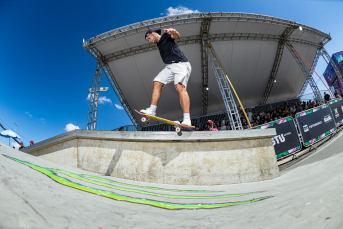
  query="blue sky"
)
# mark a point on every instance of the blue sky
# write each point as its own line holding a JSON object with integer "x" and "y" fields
{"x": 45, "y": 73}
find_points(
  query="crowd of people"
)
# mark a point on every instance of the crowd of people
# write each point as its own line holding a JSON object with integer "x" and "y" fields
{"x": 261, "y": 116}
{"x": 264, "y": 116}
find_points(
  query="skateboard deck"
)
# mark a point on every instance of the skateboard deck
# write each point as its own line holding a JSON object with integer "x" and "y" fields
{"x": 146, "y": 119}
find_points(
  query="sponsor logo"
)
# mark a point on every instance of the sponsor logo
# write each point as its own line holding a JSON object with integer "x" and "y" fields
{"x": 336, "y": 113}
{"x": 327, "y": 118}
{"x": 307, "y": 128}
{"x": 317, "y": 123}
{"x": 279, "y": 138}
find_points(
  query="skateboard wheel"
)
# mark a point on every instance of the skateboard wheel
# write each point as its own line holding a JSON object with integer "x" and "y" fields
{"x": 177, "y": 129}
{"x": 143, "y": 119}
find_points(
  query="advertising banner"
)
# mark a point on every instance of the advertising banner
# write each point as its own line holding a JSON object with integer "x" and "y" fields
{"x": 315, "y": 124}
{"x": 287, "y": 140}
{"x": 330, "y": 74}
{"x": 336, "y": 107}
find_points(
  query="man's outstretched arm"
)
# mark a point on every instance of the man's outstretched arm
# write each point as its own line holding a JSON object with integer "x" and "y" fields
{"x": 173, "y": 33}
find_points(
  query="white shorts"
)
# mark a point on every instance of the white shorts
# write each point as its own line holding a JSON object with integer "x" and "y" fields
{"x": 177, "y": 72}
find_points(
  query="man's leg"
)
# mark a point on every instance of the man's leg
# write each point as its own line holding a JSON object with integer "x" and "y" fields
{"x": 184, "y": 97}
{"x": 156, "y": 92}
{"x": 155, "y": 97}
{"x": 185, "y": 103}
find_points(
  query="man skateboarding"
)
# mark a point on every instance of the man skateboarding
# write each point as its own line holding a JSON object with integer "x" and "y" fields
{"x": 177, "y": 70}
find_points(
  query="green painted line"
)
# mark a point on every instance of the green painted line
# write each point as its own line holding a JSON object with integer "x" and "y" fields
{"x": 73, "y": 175}
{"x": 171, "y": 206}
{"x": 146, "y": 187}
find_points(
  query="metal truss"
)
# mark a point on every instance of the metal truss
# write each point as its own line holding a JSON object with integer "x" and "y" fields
{"x": 94, "y": 98}
{"x": 305, "y": 70}
{"x": 314, "y": 64}
{"x": 111, "y": 79}
{"x": 225, "y": 90}
{"x": 193, "y": 40}
{"x": 205, "y": 27}
{"x": 327, "y": 58}
{"x": 147, "y": 48}
{"x": 195, "y": 18}
{"x": 288, "y": 31}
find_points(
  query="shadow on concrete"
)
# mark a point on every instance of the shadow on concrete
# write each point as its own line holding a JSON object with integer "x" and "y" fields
{"x": 114, "y": 161}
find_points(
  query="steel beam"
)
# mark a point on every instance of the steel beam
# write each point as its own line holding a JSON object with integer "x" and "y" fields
{"x": 111, "y": 79}
{"x": 193, "y": 40}
{"x": 288, "y": 31}
{"x": 226, "y": 89}
{"x": 205, "y": 27}
{"x": 314, "y": 64}
{"x": 306, "y": 71}
{"x": 94, "y": 98}
{"x": 169, "y": 21}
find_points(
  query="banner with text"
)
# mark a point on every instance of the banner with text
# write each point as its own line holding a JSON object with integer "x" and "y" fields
{"x": 315, "y": 124}
{"x": 286, "y": 141}
{"x": 336, "y": 107}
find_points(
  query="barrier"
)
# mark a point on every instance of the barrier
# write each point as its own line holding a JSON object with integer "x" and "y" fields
{"x": 287, "y": 141}
{"x": 315, "y": 124}
{"x": 336, "y": 107}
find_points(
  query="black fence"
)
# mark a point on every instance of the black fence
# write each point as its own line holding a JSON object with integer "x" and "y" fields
{"x": 287, "y": 140}
{"x": 307, "y": 128}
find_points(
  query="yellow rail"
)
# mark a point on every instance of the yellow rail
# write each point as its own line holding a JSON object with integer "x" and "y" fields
{"x": 234, "y": 91}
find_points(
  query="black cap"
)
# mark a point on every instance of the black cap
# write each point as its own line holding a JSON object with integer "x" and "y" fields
{"x": 150, "y": 31}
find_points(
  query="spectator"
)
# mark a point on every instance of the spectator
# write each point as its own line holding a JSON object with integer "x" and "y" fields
{"x": 206, "y": 127}
{"x": 211, "y": 127}
{"x": 224, "y": 120}
{"x": 222, "y": 126}
{"x": 197, "y": 128}
{"x": 228, "y": 127}
{"x": 21, "y": 146}
{"x": 121, "y": 128}
{"x": 249, "y": 114}
{"x": 31, "y": 143}
{"x": 326, "y": 97}
{"x": 268, "y": 117}
{"x": 255, "y": 116}
{"x": 216, "y": 123}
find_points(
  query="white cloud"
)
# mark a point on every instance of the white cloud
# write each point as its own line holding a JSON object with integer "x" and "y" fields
{"x": 71, "y": 127}
{"x": 119, "y": 107}
{"x": 43, "y": 120}
{"x": 28, "y": 114}
{"x": 102, "y": 99}
{"x": 179, "y": 10}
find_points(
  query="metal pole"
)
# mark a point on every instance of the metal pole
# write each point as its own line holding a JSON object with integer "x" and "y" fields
{"x": 226, "y": 90}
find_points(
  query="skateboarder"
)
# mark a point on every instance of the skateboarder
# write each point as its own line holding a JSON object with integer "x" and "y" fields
{"x": 177, "y": 70}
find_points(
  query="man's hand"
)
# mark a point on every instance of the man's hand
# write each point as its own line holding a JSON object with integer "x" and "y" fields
{"x": 173, "y": 33}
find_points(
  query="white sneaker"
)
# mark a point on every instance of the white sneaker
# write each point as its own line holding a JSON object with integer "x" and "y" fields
{"x": 186, "y": 122}
{"x": 148, "y": 111}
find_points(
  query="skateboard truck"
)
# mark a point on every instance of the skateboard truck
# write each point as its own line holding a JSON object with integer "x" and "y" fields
{"x": 145, "y": 120}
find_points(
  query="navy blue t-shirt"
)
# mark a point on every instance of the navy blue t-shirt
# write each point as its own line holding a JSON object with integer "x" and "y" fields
{"x": 170, "y": 51}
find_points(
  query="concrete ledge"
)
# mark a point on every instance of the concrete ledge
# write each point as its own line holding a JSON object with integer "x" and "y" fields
{"x": 195, "y": 158}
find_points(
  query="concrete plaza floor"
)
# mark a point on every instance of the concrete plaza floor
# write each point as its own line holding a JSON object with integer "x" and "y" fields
{"x": 35, "y": 193}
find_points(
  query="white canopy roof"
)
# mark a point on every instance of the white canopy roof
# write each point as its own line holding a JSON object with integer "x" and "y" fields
{"x": 246, "y": 45}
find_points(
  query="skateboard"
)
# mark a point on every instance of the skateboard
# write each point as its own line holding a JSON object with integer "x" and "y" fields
{"x": 146, "y": 119}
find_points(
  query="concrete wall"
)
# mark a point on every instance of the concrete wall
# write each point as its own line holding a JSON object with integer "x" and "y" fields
{"x": 195, "y": 158}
